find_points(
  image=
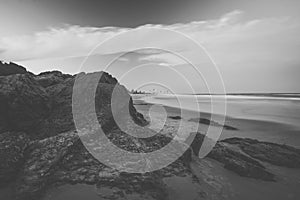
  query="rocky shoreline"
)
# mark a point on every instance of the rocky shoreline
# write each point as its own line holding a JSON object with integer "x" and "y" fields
{"x": 40, "y": 148}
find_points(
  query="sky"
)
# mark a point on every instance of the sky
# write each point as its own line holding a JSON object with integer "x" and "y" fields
{"x": 254, "y": 44}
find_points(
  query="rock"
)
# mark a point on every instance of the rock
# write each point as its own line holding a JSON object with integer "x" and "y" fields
{"x": 48, "y": 152}
{"x": 61, "y": 116}
{"x": 23, "y": 103}
{"x": 245, "y": 156}
{"x": 196, "y": 143}
{"x": 276, "y": 154}
{"x": 41, "y": 105}
{"x": 7, "y": 69}
{"x": 212, "y": 123}
{"x": 62, "y": 159}
{"x": 233, "y": 158}
{"x": 12, "y": 146}
{"x": 175, "y": 117}
{"x": 247, "y": 169}
{"x": 240, "y": 163}
{"x": 51, "y": 78}
{"x": 43, "y": 157}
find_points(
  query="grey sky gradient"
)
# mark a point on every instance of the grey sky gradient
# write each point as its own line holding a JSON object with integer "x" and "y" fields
{"x": 255, "y": 43}
{"x": 28, "y": 16}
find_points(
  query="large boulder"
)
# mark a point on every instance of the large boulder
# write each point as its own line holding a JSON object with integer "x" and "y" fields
{"x": 43, "y": 157}
{"x": 276, "y": 154}
{"x": 63, "y": 159}
{"x": 233, "y": 158}
{"x": 41, "y": 105}
{"x": 240, "y": 163}
{"x": 61, "y": 117}
{"x": 23, "y": 103}
{"x": 246, "y": 157}
{"x": 9, "y": 68}
{"x": 12, "y": 147}
{"x": 50, "y": 78}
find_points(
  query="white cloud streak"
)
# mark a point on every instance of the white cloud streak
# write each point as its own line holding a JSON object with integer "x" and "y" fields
{"x": 266, "y": 50}
{"x": 229, "y": 36}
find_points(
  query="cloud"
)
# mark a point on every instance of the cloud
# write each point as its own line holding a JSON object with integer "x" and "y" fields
{"x": 229, "y": 39}
{"x": 164, "y": 59}
{"x": 265, "y": 50}
{"x": 55, "y": 42}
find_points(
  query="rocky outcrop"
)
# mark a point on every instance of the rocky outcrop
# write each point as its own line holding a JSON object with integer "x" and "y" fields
{"x": 23, "y": 103}
{"x": 247, "y": 157}
{"x": 7, "y": 69}
{"x": 234, "y": 159}
{"x": 43, "y": 157}
{"x": 61, "y": 117}
{"x": 41, "y": 105}
{"x": 40, "y": 148}
{"x": 12, "y": 147}
{"x": 51, "y": 78}
{"x": 175, "y": 117}
{"x": 239, "y": 162}
{"x": 276, "y": 154}
{"x": 212, "y": 123}
{"x": 49, "y": 151}
{"x": 62, "y": 159}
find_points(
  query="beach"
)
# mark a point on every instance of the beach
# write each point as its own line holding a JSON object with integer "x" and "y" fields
{"x": 269, "y": 119}
{"x": 212, "y": 175}
{"x": 265, "y": 119}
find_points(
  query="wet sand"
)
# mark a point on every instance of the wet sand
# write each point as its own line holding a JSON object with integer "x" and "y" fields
{"x": 230, "y": 185}
{"x": 269, "y": 131}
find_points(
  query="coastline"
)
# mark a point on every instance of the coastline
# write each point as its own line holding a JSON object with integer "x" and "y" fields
{"x": 57, "y": 159}
{"x": 263, "y": 130}
{"x": 227, "y": 182}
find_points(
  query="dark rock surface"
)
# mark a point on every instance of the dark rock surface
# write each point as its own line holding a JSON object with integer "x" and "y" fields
{"x": 41, "y": 105}
{"x": 42, "y": 158}
{"x": 212, "y": 123}
{"x": 50, "y": 78}
{"x": 175, "y": 117}
{"x": 7, "y": 69}
{"x": 23, "y": 103}
{"x": 40, "y": 148}
{"x": 239, "y": 162}
{"x": 49, "y": 152}
{"x": 234, "y": 159}
{"x": 62, "y": 159}
{"x": 12, "y": 147}
{"x": 276, "y": 154}
{"x": 246, "y": 157}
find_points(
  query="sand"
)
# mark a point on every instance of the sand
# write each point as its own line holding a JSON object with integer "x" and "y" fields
{"x": 230, "y": 185}
{"x": 263, "y": 130}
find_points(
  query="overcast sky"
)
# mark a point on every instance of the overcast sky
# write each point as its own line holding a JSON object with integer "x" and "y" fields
{"x": 255, "y": 44}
